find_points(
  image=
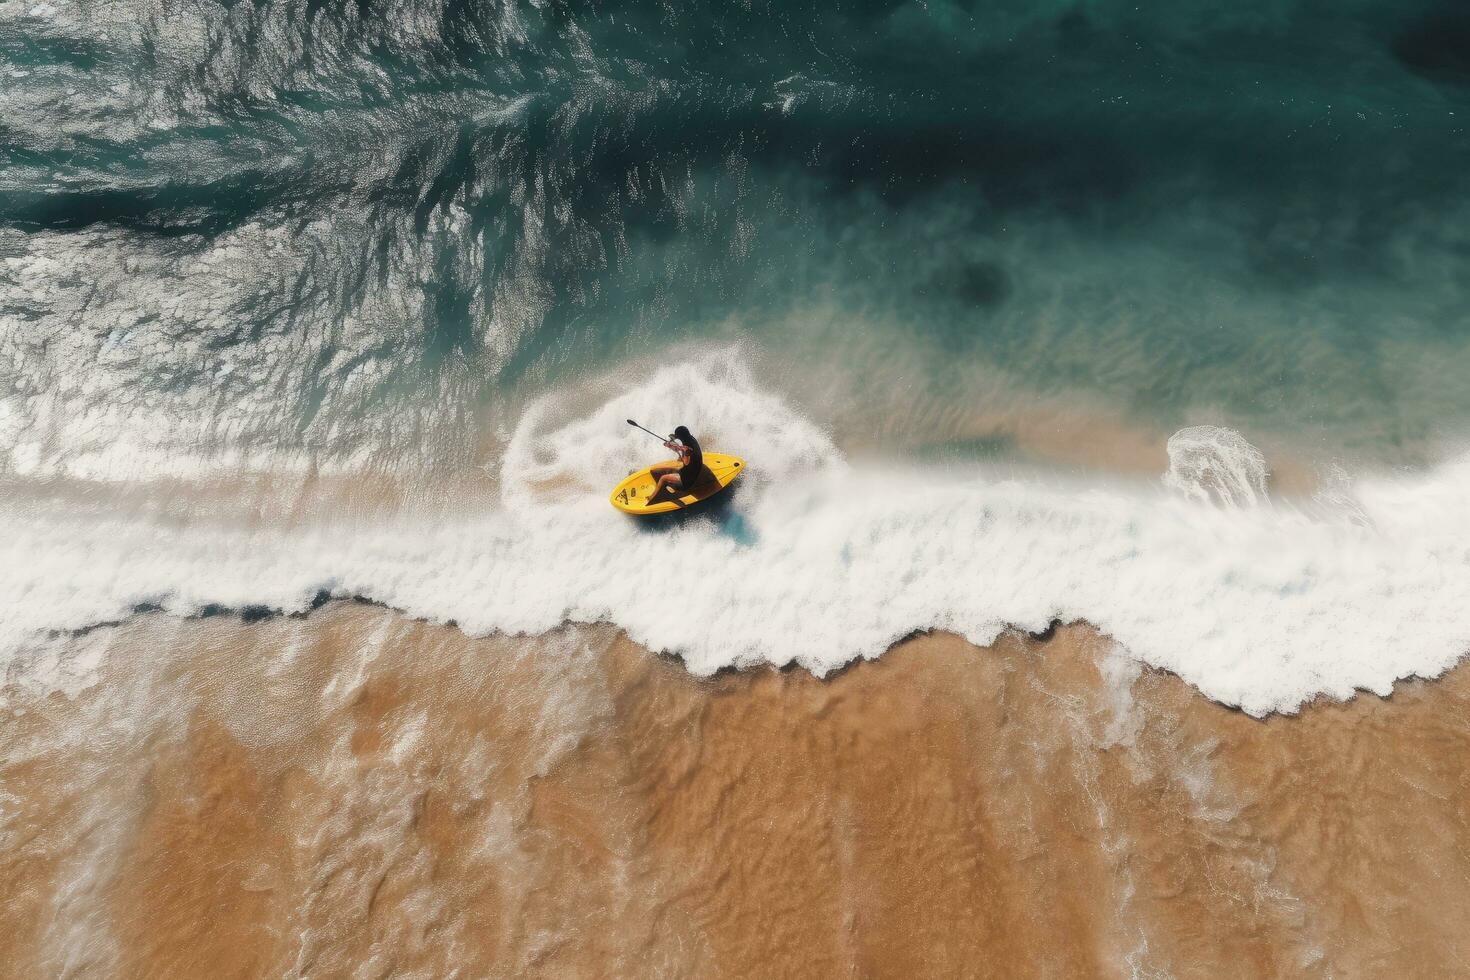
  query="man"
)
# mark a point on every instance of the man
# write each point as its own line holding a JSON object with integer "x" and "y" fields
{"x": 683, "y": 477}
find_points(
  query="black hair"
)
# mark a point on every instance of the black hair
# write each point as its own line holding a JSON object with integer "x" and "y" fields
{"x": 682, "y": 434}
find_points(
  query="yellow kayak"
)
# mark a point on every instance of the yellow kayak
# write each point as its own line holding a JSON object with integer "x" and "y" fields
{"x": 631, "y": 496}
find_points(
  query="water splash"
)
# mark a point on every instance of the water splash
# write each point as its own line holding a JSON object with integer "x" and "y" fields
{"x": 1209, "y": 463}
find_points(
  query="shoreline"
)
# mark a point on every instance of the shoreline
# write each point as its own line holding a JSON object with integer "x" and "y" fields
{"x": 323, "y": 603}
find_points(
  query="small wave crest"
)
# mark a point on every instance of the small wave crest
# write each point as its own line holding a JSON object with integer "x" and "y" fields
{"x": 1209, "y": 463}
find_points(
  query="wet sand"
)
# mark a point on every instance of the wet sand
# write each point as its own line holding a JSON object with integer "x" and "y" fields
{"x": 357, "y": 794}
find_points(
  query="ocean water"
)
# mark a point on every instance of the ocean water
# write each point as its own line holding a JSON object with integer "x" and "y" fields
{"x": 1153, "y": 315}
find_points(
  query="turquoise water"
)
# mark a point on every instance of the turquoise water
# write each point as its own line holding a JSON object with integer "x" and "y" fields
{"x": 373, "y": 230}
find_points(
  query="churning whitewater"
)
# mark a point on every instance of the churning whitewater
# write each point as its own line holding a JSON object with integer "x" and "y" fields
{"x": 818, "y": 560}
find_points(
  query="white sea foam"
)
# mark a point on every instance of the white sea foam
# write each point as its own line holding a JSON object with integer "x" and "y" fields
{"x": 817, "y": 561}
{"x": 1210, "y": 463}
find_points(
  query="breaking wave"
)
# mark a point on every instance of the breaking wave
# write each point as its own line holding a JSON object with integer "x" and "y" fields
{"x": 819, "y": 560}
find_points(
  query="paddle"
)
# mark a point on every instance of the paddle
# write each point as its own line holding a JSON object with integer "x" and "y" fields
{"x": 649, "y": 431}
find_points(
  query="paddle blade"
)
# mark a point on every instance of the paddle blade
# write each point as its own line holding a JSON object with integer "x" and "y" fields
{"x": 649, "y": 431}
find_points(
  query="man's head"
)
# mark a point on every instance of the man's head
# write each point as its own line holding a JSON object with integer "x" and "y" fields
{"x": 682, "y": 434}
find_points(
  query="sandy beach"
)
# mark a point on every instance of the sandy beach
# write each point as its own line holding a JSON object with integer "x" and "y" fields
{"x": 353, "y": 793}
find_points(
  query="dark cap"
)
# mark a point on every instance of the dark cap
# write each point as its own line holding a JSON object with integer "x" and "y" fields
{"x": 682, "y": 433}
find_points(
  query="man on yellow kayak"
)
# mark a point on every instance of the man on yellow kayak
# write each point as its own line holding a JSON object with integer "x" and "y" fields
{"x": 687, "y": 473}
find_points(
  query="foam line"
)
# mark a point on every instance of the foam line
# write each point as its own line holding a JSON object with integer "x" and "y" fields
{"x": 819, "y": 561}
